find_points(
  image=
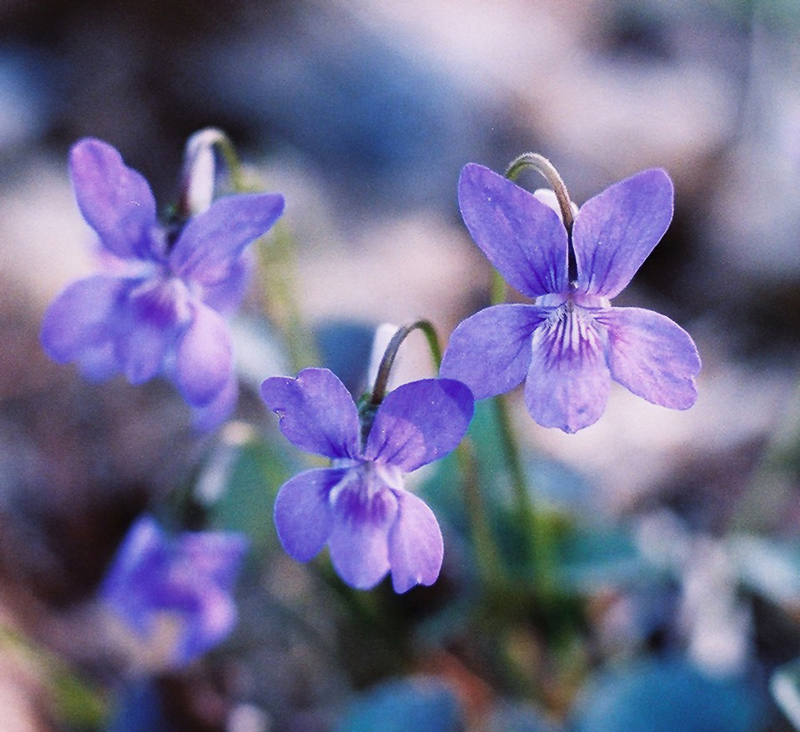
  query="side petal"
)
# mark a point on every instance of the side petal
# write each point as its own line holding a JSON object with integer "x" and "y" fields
{"x": 303, "y": 516}
{"x": 359, "y": 541}
{"x": 522, "y": 237}
{"x": 317, "y": 413}
{"x": 214, "y": 240}
{"x": 204, "y": 357}
{"x": 616, "y": 230}
{"x": 490, "y": 351}
{"x": 226, "y": 296}
{"x": 82, "y": 318}
{"x": 652, "y": 356}
{"x": 420, "y": 422}
{"x": 416, "y": 548}
{"x": 115, "y": 200}
{"x": 568, "y": 381}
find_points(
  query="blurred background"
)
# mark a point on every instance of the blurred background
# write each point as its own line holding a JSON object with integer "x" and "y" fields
{"x": 362, "y": 112}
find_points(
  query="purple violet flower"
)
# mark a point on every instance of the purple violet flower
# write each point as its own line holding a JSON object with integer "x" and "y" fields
{"x": 359, "y": 506}
{"x": 187, "y": 580}
{"x": 570, "y": 343}
{"x": 159, "y": 307}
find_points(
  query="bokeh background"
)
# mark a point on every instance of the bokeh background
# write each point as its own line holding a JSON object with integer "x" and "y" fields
{"x": 362, "y": 112}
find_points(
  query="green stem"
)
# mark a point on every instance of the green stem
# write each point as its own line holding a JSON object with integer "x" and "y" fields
{"x": 277, "y": 273}
{"x": 487, "y": 554}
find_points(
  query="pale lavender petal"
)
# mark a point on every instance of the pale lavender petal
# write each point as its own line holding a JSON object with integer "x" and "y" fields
{"x": 133, "y": 572}
{"x": 115, "y": 200}
{"x": 652, "y": 356}
{"x": 522, "y": 237}
{"x": 616, "y": 230}
{"x": 82, "y": 318}
{"x": 226, "y": 296}
{"x": 206, "y": 569}
{"x": 358, "y": 543}
{"x": 490, "y": 351}
{"x": 148, "y": 327}
{"x": 212, "y": 242}
{"x": 420, "y": 422}
{"x": 416, "y": 548}
{"x": 303, "y": 516}
{"x": 317, "y": 413}
{"x": 219, "y": 409}
{"x": 568, "y": 381}
{"x": 204, "y": 357}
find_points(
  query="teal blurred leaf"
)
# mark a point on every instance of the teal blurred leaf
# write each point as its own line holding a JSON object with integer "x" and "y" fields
{"x": 668, "y": 696}
{"x": 407, "y": 705}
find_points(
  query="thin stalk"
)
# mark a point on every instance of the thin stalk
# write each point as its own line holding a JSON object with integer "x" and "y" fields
{"x": 277, "y": 274}
{"x": 487, "y": 554}
{"x": 389, "y": 355}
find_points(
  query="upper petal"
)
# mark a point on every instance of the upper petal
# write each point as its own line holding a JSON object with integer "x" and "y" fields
{"x": 303, "y": 516}
{"x": 568, "y": 381}
{"x": 204, "y": 357}
{"x": 363, "y": 513}
{"x": 416, "y": 548}
{"x": 522, "y": 237}
{"x": 316, "y": 412}
{"x": 652, "y": 356}
{"x": 490, "y": 351}
{"x": 115, "y": 200}
{"x": 82, "y": 318}
{"x": 211, "y": 243}
{"x": 616, "y": 230}
{"x": 420, "y": 422}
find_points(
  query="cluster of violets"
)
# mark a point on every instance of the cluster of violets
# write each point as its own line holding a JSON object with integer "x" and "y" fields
{"x": 160, "y": 304}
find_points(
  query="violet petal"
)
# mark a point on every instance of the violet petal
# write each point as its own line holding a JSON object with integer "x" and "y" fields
{"x": 490, "y": 351}
{"x": 616, "y": 230}
{"x": 80, "y": 318}
{"x": 420, "y": 422}
{"x": 115, "y": 200}
{"x": 652, "y": 356}
{"x": 416, "y": 548}
{"x": 303, "y": 515}
{"x": 522, "y": 237}
{"x": 204, "y": 357}
{"x": 568, "y": 381}
{"x": 212, "y": 242}
{"x": 317, "y": 413}
{"x": 210, "y": 416}
{"x": 362, "y": 517}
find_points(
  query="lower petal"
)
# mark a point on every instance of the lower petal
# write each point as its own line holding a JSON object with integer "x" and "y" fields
{"x": 490, "y": 351}
{"x": 303, "y": 515}
{"x": 652, "y": 356}
{"x": 416, "y": 548}
{"x": 568, "y": 381}
{"x": 212, "y": 415}
{"x": 204, "y": 358}
{"x": 359, "y": 540}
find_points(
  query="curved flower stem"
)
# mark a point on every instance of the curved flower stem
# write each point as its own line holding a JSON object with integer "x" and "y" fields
{"x": 543, "y": 166}
{"x": 487, "y": 553}
{"x": 382, "y": 378}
